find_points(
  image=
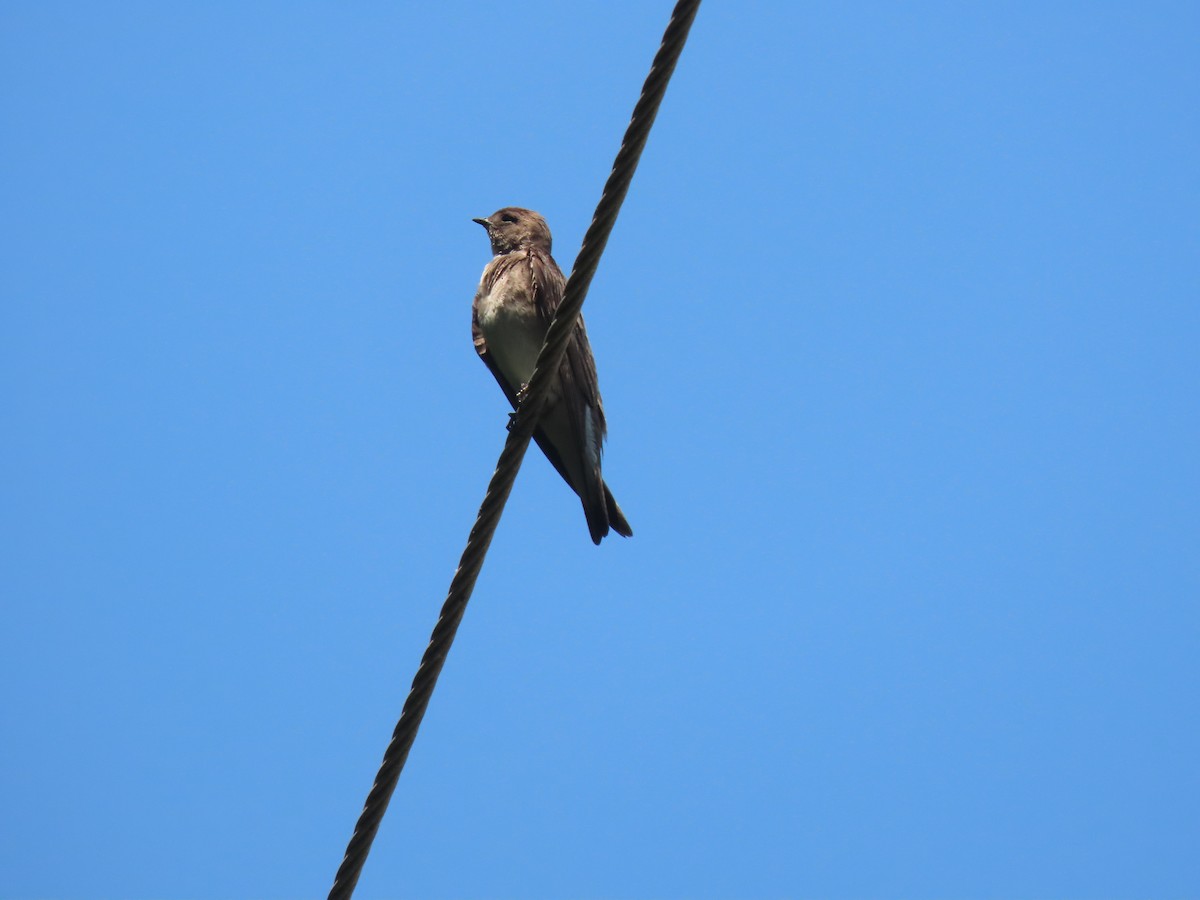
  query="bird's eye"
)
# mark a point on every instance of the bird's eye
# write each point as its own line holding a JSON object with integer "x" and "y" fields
{"x": 508, "y": 217}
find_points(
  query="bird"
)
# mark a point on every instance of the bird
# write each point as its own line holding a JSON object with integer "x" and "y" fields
{"x": 518, "y": 294}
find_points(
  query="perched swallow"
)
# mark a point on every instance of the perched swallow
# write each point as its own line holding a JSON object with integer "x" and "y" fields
{"x": 517, "y": 296}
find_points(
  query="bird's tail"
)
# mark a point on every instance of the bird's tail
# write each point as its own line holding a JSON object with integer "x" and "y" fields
{"x": 605, "y": 515}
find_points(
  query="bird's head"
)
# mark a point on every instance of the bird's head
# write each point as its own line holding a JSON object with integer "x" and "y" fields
{"x": 513, "y": 228}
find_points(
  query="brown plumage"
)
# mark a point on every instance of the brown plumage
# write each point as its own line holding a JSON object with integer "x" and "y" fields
{"x": 519, "y": 291}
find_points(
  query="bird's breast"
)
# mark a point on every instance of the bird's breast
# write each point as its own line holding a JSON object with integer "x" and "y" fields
{"x": 510, "y": 324}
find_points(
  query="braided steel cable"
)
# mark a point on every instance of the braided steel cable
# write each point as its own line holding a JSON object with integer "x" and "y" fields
{"x": 521, "y": 430}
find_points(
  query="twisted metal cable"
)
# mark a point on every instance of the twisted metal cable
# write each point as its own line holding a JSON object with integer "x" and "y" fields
{"x": 523, "y": 425}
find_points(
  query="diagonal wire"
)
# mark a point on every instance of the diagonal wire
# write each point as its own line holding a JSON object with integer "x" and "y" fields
{"x": 522, "y": 429}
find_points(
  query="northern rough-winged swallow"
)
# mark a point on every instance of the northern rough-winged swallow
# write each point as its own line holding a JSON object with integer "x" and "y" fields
{"x": 517, "y": 297}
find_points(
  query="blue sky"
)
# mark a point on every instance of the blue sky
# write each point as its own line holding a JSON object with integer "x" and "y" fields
{"x": 897, "y": 335}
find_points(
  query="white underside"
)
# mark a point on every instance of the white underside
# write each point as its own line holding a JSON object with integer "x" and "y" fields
{"x": 511, "y": 328}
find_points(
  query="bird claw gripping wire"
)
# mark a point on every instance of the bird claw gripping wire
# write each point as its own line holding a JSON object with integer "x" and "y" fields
{"x": 521, "y": 395}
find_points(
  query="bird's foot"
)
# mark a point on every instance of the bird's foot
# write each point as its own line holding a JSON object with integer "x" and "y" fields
{"x": 521, "y": 395}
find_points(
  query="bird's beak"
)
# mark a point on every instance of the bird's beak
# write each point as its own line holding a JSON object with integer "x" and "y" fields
{"x": 484, "y": 222}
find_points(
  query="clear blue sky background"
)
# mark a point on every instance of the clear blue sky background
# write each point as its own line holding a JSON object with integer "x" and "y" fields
{"x": 898, "y": 337}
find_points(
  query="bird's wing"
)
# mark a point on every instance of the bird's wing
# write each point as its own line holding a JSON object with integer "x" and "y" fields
{"x": 580, "y": 393}
{"x": 579, "y": 366}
